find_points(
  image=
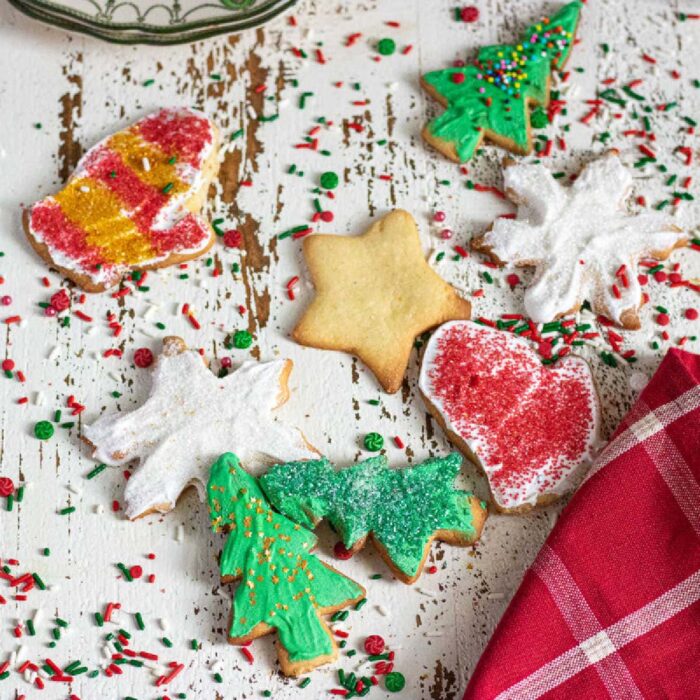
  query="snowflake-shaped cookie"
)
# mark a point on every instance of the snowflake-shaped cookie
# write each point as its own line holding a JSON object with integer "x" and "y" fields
{"x": 190, "y": 418}
{"x": 582, "y": 243}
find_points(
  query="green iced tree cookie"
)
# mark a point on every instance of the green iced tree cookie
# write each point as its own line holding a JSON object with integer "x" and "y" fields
{"x": 491, "y": 98}
{"x": 283, "y": 585}
{"x": 403, "y": 510}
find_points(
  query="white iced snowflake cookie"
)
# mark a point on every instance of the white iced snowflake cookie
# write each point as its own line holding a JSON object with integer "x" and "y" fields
{"x": 581, "y": 241}
{"x": 190, "y": 418}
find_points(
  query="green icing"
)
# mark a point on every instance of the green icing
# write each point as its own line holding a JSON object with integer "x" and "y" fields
{"x": 496, "y": 92}
{"x": 403, "y": 509}
{"x": 283, "y": 585}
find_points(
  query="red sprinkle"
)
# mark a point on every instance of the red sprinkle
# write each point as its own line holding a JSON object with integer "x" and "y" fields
{"x": 374, "y": 644}
{"x": 341, "y": 552}
{"x": 691, "y": 314}
{"x": 143, "y": 358}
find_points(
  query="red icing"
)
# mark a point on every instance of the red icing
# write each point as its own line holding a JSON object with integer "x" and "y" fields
{"x": 535, "y": 421}
{"x": 177, "y": 132}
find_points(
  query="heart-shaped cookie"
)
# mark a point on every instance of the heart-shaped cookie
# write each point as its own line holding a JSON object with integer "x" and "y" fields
{"x": 533, "y": 429}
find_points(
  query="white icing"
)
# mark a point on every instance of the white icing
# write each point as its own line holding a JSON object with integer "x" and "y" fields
{"x": 166, "y": 218}
{"x": 557, "y": 227}
{"x": 190, "y": 418}
{"x": 476, "y": 436}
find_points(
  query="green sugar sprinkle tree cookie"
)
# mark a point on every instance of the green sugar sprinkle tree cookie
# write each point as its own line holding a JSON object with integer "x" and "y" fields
{"x": 492, "y": 97}
{"x": 403, "y": 510}
{"x": 283, "y": 585}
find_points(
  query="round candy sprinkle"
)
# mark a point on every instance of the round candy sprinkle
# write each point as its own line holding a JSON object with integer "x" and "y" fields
{"x": 6, "y": 300}
{"x": 242, "y": 339}
{"x": 8, "y": 365}
{"x": 446, "y": 234}
{"x": 439, "y": 216}
{"x": 327, "y": 216}
{"x": 691, "y": 314}
{"x": 50, "y": 311}
{"x": 233, "y": 238}
{"x": 538, "y": 118}
{"x": 662, "y": 319}
{"x": 136, "y": 571}
{"x": 341, "y": 551}
{"x": 394, "y": 682}
{"x": 374, "y": 442}
{"x": 43, "y": 430}
{"x": 386, "y": 46}
{"x": 660, "y": 276}
{"x": 469, "y": 14}
{"x": 6, "y": 486}
{"x": 60, "y": 300}
{"x": 329, "y": 180}
{"x": 226, "y": 362}
{"x": 457, "y": 78}
{"x": 143, "y": 358}
{"x": 374, "y": 644}
{"x": 513, "y": 280}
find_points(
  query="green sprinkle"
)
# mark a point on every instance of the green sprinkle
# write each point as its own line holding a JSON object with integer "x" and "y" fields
{"x": 124, "y": 633}
{"x": 303, "y": 97}
{"x": 373, "y": 402}
{"x": 183, "y": 276}
{"x": 236, "y": 134}
{"x": 661, "y": 205}
{"x": 116, "y": 394}
{"x": 352, "y": 652}
{"x": 57, "y": 416}
{"x": 661, "y": 309}
{"x": 40, "y": 584}
{"x": 194, "y": 645}
{"x": 215, "y": 76}
{"x": 97, "y": 470}
{"x": 160, "y": 326}
{"x": 631, "y": 93}
{"x": 125, "y": 572}
{"x": 361, "y": 604}
{"x": 61, "y": 623}
{"x": 440, "y": 256}
{"x": 67, "y": 511}
{"x": 56, "y": 633}
{"x": 242, "y": 340}
{"x": 218, "y": 678}
{"x": 167, "y": 188}
{"x": 139, "y": 621}
{"x": 167, "y": 642}
{"x": 605, "y": 48}
{"x": 305, "y": 682}
{"x": 267, "y": 693}
{"x": 608, "y": 359}
{"x": 373, "y": 442}
{"x": 379, "y": 657}
{"x": 329, "y": 180}
{"x": 487, "y": 277}
{"x": 29, "y": 624}
{"x": 99, "y": 620}
{"x": 148, "y": 83}
{"x": 68, "y": 425}
{"x": 386, "y": 46}
{"x": 689, "y": 121}
{"x": 43, "y": 430}
{"x": 375, "y": 577}
{"x": 10, "y": 503}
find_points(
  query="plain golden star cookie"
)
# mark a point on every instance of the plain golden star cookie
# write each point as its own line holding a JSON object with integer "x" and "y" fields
{"x": 374, "y": 294}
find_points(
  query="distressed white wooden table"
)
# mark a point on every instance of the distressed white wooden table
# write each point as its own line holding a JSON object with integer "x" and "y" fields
{"x": 59, "y": 93}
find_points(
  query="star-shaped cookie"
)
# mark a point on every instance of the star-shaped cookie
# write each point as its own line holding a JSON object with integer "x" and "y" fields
{"x": 190, "y": 418}
{"x": 374, "y": 294}
{"x": 582, "y": 243}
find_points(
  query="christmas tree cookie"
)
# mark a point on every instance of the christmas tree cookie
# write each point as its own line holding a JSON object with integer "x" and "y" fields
{"x": 492, "y": 97}
{"x": 283, "y": 587}
{"x": 402, "y": 510}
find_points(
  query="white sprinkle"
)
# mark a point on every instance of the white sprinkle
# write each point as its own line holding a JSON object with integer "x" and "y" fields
{"x": 149, "y": 311}
{"x": 39, "y": 399}
{"x": 23, "y": 323}
{"x": 146, "y": 164}
{"x": 55, "y": 352}
{"x": 383, "y": 611}
{"x": 496, "y": 595}
{"x": 37, "y": 617}
{"x": 99, "y": 509}
{"x": 74, "y": 489}
{"x": 163, "y": 624}
{"x": 392, "y": 86}
{"x": 43, "y": 672}
{"x": 30, "y": 676}
{"x": 433, "y": 634}
{"x": 54, "y": 587}
{"x": 282, "y": 104}
{"x": 251, "y": 113}
{"x": 84, "y": 188}
{"x": 19, "y": 654}
{"x": 216, "y": 666}
{"x": 13, "y": 659}
{"x": 180, "y": 534}
{"x": 114, "y": 376}
{"x": 106, "y": 651}
{"x": 427, "y": 592}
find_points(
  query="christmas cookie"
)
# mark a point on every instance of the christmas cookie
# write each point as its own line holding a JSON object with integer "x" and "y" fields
{"x": 492, "y": 97}
{"x": 191, "y": 417}
{"x": 284, "y": 586}
{"x": 532, "y": 429}
{"x": 579, "y": 239}
{"x": 401, "y": 510}
{"x": 133, "y": 202}
{"x": 374, "y": 294}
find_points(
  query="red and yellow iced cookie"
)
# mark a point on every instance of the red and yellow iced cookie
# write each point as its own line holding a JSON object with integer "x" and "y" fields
{"x": 532, "y": 429}
{"x": 133, "y": 201}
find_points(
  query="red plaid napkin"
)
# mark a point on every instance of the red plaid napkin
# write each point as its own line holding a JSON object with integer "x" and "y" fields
{"x": 610, "y": 607}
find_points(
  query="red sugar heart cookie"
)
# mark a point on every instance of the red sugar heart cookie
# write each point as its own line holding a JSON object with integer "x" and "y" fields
{"x": 533, "y": 429}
